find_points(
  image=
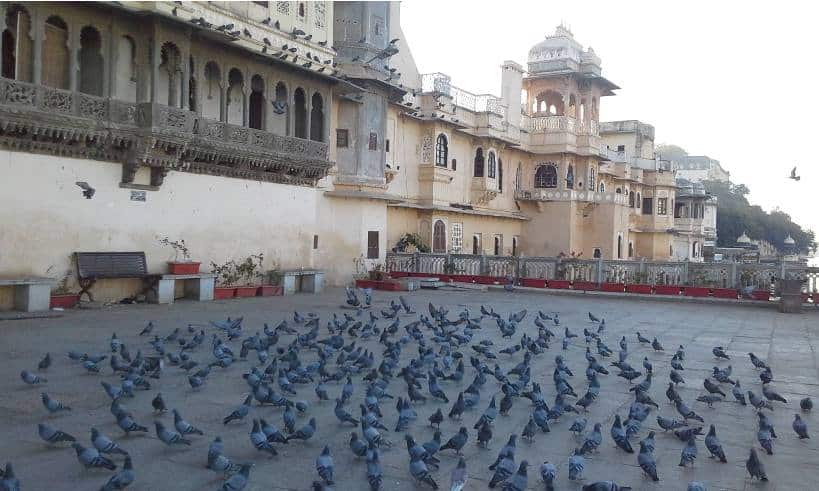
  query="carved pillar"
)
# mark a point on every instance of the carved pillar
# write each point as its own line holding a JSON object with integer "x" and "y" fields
{"x": 328, "y": 109}
{"x": 186, "y": 82}
{"x": 155, "y": 58}
{"x": 113, "y": 55}
{"x": 245, "y": 103}
{"x": 39, "y": 33}
{"x": 308, "y": 104}
{"x": 173, "y": 87}
{"x": 2, "y": 23}
{"x": 73, "y": 58}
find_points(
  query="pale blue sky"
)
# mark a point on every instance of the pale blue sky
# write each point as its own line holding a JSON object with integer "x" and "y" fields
{"x": 735, "y": 81}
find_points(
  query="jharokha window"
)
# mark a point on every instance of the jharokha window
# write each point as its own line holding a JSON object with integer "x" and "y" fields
{"x": 478, "y": 162}
{"x": 491, "y": 164}
{"x": 441, "y": 150}
{"x": 546, "y": 176}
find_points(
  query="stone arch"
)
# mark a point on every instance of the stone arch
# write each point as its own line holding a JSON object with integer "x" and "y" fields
{"x": 92, "y": 66}
{"x": 441, "y": 150}
{"x": 439, "y": 237}
{"x": 168, "y": 83}
{"x": 570, "y": 177}
{"x": 125, "y": 84}
{"x": 491, "y": 164}
{"x": 317, "y": 117}
{"x": 256, "y": 104}
{"x": 235, "y": 97}
{"x": 18, "y": 46}
{"x": 280, "y": 122}
{"x": 212, "y": 91}
{"x": 546, "y": 176}
{"x": 55, "y": 54}
{"x": 193, "y": 93}
{"x": 631, "y": 199}
{"x": 550, "y": 103}
{"x": 299, "y": 113}
{"x": 479, "y": 162}
{"x": 619, "y": 246}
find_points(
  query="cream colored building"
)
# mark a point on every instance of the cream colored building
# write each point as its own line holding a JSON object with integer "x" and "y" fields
{"x": 304, "y": 131}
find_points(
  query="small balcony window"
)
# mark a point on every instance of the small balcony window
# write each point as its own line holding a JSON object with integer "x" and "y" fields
{"x": 546, "y": 176}
{"x": 441, "y": 150}
{"x": 648, "y": 206}
{"x": 662, "y": 206}
{"x": 342, "y": 138}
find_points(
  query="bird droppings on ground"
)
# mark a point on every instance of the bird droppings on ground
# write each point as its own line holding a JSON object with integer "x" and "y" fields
{"x": 419, "y": 389}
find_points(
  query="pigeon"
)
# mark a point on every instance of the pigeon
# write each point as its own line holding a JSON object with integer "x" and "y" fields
{"x": 719, "y": 352}
{"x": 800, "y": 427}
{"x": 115, "y": 393}
{"x": 343, "y": 415}
{"x": 618, "y": 434}
{"x": 128, "y": 425}
{"x": 755, "y": 467}
{"x": 121, "y": 479}
{"x": 676, "y": 378}
{"x": 794, "y": 176}
{"x": 806, "y": 404}
{"x": 689, "y": 452}
{"x": 90, "y": 457}
{"x": 53, "y": 405}
{"x": 736, "y": 390}
{"x": 709, "y": 399}
{"x": 458, "y": 407}
{"x": 457, "y": 442}
{"x": 578, "y": 425}
{"x": 576, "y": 464}
{"x": 271, "y": 432}
{"x": 503, "y": 470}
{"x": 260, "y": 441}
{"x": 158, "y": 403}
{"x": 436, "y": 418}
{"x": 419, "y": 470}
{"x": 656, "y": 345}
{"x": 305, "y": 432}
{"x": 484, "y": 434}
{"x": 520, "y": 480}
{"x": 238, "y": 481}
{"x": 771, "y": 395}
{"x": 646, "y": 461}
{"x": 687, "y": 413}
{"x": 45, "y": 362}
{"x": 714, "y": 446}
{"x": 32, "y": 378}
{"x": 357, "y": 445}
{"x": 375, "y": 473}
{"x": 169, "y": 437}
{"x": 669, "y": 424}
{"x": 593, "y": 439}
{"x": 324, "y": 466}
{"x": 758, "y": 402}
{"x": 712, "y": 387}
{"x": 183, "y": 427}
{"x": 605, "y": 486}
{"x": 458, "y": 477}
{"x": 8, "y": 481}
{"x": 103, "y": 444}
{"x": 696, "y": 486}
{"x": 52, "y": 435}
{"x": 548, "y": 472}
{"x": 240, "y": 412}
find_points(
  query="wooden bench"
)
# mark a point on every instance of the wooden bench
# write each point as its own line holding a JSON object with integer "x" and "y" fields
{"x": 31, "y": 294}
{"x": 302, "y": 280}
{"x": 93, "y": 266}
{"x": 197, "y": 287}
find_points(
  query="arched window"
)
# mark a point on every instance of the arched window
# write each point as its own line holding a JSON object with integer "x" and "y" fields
{"x": 255, "y": 117}
{"x": 570, "y": 177}
{"x": 235, "y": 97}
{"x": 300, "y": 101}
{"x": 514, "y": 246}
{"x": 498, "y": 249}
{"x": 591, "y": 178}
{"x": 281, "y": 108}
{"x": 631, "y": 249}
{"x": 317, "y": 118}
{"x": 478, "y": 162}
{"x": 192, "y": 101}
{"x": 546, "y": 176}
{"x": 441, "y": 150}
{"x": 91, "y": 64}
{"x": 618, "y": 190}
{"x": 619, "y": 247}
{"x": 602, "y": 187}
{"x": 169, "y": 85}
{"x": 694, "y": 249}
{"x": 125, "y": 73}
{"x": 639, "y": 200}
{"x": 491, "y": 164}
{"x": 55, "y": 53}
{"x": 476, "y": 244}
{"x": 596, "y": 253}
{"x": 18, "y": 47}
{"x": 439, "y": 237}
{"x": 212, "y": 93}
{"x": 551, "y": 103}
{"x": 631, "y": 199}
{"x": 500, "y": 176}
{"x": 518, "y": 176}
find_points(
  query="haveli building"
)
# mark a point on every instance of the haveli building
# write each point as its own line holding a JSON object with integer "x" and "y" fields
{"x": 303, "y": 130}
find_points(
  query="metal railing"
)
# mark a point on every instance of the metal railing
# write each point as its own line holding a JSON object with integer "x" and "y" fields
{"x": 755, "y": 276}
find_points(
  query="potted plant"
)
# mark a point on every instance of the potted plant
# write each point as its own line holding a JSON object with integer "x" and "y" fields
{"x": 639, "y": 285}
{"x": 248, "y": 272}
{"x": 273, "y": 287}
{"x": 183, "y": 265}
{"x": 226, "y": 277}
{"x": 61, "y": 296}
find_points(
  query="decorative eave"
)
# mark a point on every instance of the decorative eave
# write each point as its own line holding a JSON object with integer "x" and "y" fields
{"x": 35, "y": 118}
{"x": 462, "y": 211}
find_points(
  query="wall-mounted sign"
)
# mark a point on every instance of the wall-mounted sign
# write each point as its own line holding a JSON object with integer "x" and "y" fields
{"x": 138, "y": 196}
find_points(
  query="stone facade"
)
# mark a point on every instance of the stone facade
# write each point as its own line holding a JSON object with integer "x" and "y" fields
{"x": 304, "y": 131}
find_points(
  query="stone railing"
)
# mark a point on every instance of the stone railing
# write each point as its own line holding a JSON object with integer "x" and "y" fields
{"x": 550, "y": 124}
{"x": 553, "y": 194}
{"x": 756, "y": 276}
{"x": 43, "y": 119}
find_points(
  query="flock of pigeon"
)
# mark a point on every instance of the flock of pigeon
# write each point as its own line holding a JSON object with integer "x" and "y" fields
{"x": 437, "y": 350}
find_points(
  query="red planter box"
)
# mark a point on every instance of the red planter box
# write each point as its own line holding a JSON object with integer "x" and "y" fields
{"x": 613, "y": 287}
{"x": 761, "y": 295}
{"x": 666, "y": 289}
{"x": 725, "y": 293}
{"x": 365, "y": 284}
{"x": 444, "y": 277}
{"x": 463, "y": 278}
{"x": 246, "y": 291}
{"x": 559, "y": 284}
{"x": 489, "y": 280}
{"x": 221, "y": 292}
{"x": 398, "y": 274}
{"x": 183, "y": 268}
{"x": 270, "y": 291}
{"x": 533, "y": 282}
{"x": 64, "y": 301}
{"x": 391, "y": 286}
{"x": 639, "y": 288}
{"x": 585, "y": 285}
{"x": 696, "y": 291}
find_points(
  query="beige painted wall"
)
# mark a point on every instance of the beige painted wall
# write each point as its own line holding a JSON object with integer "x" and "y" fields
{"x": 45, "y": 218}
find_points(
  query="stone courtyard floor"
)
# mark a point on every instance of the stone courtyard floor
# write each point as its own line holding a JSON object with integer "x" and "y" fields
{"x": 788, "y": 343}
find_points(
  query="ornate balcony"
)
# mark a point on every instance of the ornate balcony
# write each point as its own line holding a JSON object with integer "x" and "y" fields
{"x": 570, "y": 195}
{"x": 36, "y": 118}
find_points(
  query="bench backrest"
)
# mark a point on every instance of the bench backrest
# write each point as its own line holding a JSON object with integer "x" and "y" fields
{"x": 102, "y": 265}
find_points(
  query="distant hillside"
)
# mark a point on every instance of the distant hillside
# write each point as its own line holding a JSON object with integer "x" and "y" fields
{"x": 736, "y": 215}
